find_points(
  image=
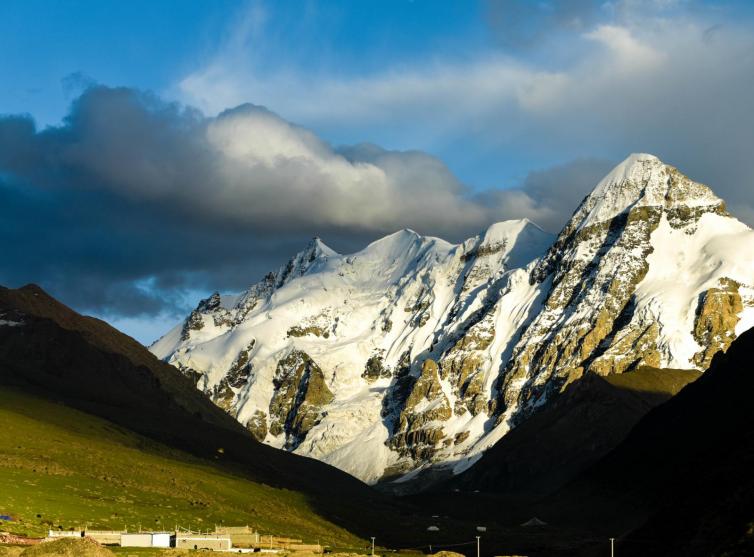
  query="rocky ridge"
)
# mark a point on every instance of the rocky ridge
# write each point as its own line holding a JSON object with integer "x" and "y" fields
{"x": 415, "y": 353}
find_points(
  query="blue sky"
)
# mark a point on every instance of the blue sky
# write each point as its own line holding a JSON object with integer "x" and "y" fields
{"x": 60, "y": 45}
{"x": 175, "y": 148}
{"x": 56, "y": 47}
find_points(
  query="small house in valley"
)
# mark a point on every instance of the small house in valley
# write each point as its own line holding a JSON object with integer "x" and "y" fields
{"x": 146, "y": 539}
{"x": 55, "y": 534}
{"x": 105, "y": 537}
{"x": 216, "y": 542}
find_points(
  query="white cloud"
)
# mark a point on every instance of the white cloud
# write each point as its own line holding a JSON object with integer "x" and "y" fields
{"x": 632, "y": 76}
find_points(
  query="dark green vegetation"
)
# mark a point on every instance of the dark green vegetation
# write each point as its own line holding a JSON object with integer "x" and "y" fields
{"x": 194, "y": 459}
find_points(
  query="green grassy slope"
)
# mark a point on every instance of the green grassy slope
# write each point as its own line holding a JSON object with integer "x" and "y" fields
{"x": 62, "y": 467}
{"x": 83, "y": 363}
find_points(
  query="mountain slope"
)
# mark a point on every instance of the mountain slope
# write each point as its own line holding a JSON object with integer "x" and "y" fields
{"x": 415, "y": 353}
{"x": 72, "y": 468}
{"x": 650, "y": 270}
{"x": 590, "y": 418}
{"x": 50, "y": 351}
{"x": 317, "y": 357}
{"x": 681, "y": 481}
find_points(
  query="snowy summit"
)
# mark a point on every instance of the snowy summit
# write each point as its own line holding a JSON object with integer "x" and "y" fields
{"x": 418, "y": 354}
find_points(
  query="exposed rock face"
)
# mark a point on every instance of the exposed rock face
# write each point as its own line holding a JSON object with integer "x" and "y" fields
{"x": 464, "y": 366}
{"x": 300, "y": 397}
{"x": 223, "y": 395}
{"x": 297, "y": 331}
{"x": 257, "y": 425}
{"x": 241, "y": 368}
{"x": 419, "y": 427}
{"x": 375, "y": 369}
{"x": 591, "y": 320}
{"x": 415, "y": 352}
{"x": 716, "y": 320}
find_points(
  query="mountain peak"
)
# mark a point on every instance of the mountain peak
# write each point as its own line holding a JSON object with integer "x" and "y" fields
{"x": 322, "y": 357}
{"x": 319, "y": 248}
{"x": 631, "y": 168}
{"x": 394, "y": 244}
{"x": 507, "y": 227}
{"x": 316, "y": 251}
{"x": 643, "y": 180}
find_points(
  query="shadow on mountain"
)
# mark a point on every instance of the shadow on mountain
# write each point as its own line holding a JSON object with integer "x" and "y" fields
{"x": 579, "y": 427}
{"x": 51, "y": 351}
{"x": 681, "y": 483}
{"x": 677, "y": 481}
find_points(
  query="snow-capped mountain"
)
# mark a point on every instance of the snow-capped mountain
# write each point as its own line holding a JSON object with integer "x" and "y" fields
{"x": 415, "y": 352}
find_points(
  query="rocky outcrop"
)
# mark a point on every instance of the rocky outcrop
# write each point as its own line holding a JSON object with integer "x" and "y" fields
{"x": 375, "y": 369}
{"x": 223, "y": 395}
{"x": 257, "y": 425}
{"x": 630, "y": 349}
{"x": 300, "y": 397}
{"x": 465, "y": 366}
{"x": 297, "y": 331}
{"x": 241, "y": 368}
{"x": 418, "y": 430}
{"x": 194, "y": 322}
{"x": 716, "y": 319}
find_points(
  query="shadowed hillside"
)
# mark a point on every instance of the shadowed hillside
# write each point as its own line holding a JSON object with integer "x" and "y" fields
{"x": 681, "y": 483}
{"x": 578, "y": 428}
{"x": 60, "y": 467}
{"x": 50, "y": 351}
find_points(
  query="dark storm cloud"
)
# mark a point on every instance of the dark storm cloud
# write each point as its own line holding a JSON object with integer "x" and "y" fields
{"x": 549, "y": 197}
{"x": 134, "y": 202}
{"x": 106, "y": 254}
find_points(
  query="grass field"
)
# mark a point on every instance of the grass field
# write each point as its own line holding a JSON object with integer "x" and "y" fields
{"x": 64, "y": 468}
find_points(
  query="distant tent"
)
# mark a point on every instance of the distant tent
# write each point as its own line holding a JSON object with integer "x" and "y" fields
{"x": 534, "y": 522}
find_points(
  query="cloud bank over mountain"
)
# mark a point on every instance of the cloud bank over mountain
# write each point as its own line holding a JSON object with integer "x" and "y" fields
{"x": 570, "y": 79}
{"x": 134, "y": 200}
{"x": 135, "y": 205}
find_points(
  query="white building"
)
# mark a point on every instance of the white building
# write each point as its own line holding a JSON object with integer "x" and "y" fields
{"x": 203, "y": 541}
{"x": 136, "y": 539}
{"x": 161, "y": 539}
{"x": 146, "y": 539}
{"x": 65, "y": 534}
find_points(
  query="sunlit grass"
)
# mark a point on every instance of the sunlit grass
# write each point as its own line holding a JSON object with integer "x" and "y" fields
{"x": 60, "y": 468}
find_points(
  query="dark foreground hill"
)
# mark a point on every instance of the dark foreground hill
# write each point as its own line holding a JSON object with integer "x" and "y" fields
{"x": 682, "y": 482}
{"x": 570, "y": 434}
{"x": 679, "y": 482}
{"x": 49, "y": 351}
